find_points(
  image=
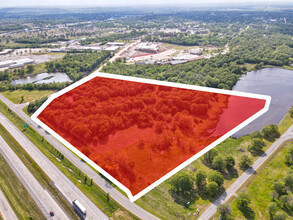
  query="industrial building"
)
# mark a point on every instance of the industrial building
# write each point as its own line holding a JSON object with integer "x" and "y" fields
{"x": 147, "y": 47}
{"x": 15, "y": 63}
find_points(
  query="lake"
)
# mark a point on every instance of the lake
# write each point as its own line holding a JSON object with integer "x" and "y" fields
{"x": 275, "y": 82}
{"x": 43, "y": 78}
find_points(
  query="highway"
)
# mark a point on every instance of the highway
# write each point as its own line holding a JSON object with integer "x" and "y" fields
{"x": 232, "y": 190}
{"x": 43, "y": 199}
{"x": 62, "y": 183}
{"x": 5, "y": 209}
{"x": 115, "y": 194}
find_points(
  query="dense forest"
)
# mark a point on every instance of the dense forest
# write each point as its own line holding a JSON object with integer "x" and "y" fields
{"x": 79, "y": 64}
{"x": 190, "y": 40}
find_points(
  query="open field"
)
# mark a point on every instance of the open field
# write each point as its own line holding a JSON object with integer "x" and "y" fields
{"x": 19, "y": 199}
{"x": 15, "y": 96}
{"x": 260, "y": 187}
{"x": 160, "y": 202}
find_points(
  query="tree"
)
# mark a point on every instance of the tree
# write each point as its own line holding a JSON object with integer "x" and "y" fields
{"x": 279, "y": 187}
{"x": 209, "y": 156}
{"x": 217, "y": 177}
{"x": 256, "y": 134}
{"x": 272, "y": 207}
{"x": 245, "y": 162}
{"x": 30, "y": 68}
{"x": 271, "y": 132}
{"x": 291, "y": 111}
{"x": 219, "y": 163}
{"x": 256, "y": 145}
{"x": 280, "y": 215}
{"x": 230, "y": 163}
{"x": 288, "y": 180}
{"x": 225, "y": 211}
{"x": 182, "y": 184}
{"x": 200, "y": 180}
{"x": 212, "y": 189}
{"x": 243, "y": 200}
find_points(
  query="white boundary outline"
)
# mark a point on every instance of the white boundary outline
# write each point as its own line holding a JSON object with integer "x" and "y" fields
{"x": 156, "y": 82}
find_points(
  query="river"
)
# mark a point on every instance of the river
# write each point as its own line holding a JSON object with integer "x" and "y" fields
{"x": 275, "y": 82}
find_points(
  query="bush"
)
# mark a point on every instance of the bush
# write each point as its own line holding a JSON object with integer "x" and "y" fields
{"x": 272, "y": 207}
{"x": 245, "y": 162}
{"x": 219, "y": 163}
{"x": 182, "y": 184}
{"x": 225, "y": 211}
{"x": 230, "y": 162}
{"x": 279, "y": 187}
{"x": 271, "y": 132}
{"x": 256, "y": 145}
{"x": 209, "y": 156}
{"x": 256, "y": 134}
{"x": 200, "y": 180}
{"x": 212, "y": 189}
{"x": 243, "y": 200}
{"x": 217, "y": 177}
{"x": 280, "y": 215}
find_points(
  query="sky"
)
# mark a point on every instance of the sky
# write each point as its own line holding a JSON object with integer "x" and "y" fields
{"x": 105, "y": 3}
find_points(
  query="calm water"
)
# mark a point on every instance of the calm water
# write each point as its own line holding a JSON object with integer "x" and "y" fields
{"x": 275, "y": 82}
{"x": 43, "y": 78}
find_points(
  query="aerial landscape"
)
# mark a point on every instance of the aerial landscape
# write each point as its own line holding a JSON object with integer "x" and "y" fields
{"x": 146, "y": 123}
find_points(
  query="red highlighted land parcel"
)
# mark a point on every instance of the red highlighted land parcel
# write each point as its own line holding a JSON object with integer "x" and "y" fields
{"x": 138, "y": 132}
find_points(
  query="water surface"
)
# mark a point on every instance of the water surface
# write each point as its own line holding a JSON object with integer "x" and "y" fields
{"x": 275, "y": 82}
{"x": 43, "y": 78}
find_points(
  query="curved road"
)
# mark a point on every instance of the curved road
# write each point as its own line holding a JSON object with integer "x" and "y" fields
{"x": 212, "y": 209}
{"x": 115, "y": 194}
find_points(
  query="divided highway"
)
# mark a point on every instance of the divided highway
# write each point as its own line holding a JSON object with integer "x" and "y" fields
{"x": 62, "y": 183}
{"x": 5, "y": 208}
{"x": 115, "y": 194}
{"x": 43, "y": 199}
{"x": 212, "y": 209}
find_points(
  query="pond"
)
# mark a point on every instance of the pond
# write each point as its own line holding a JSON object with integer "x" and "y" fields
{"x": 43, "y": 78}
{"x": 275, "y": 82}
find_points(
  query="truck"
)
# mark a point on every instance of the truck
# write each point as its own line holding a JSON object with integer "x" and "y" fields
{"x": 79, "y": 207}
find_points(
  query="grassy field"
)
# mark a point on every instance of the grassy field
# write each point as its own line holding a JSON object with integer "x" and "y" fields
{"x": 19, "y": 199}
{"x": 37, "y": 172}
{"x": 15, "y": 96}
{"x": 260, "y": 187}
{"x": 94, "y": 192}
{"x": 160, "y": 202}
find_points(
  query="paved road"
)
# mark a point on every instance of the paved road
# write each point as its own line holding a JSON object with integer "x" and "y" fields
{"x": 115, "y": 194}
{"x": 5, "y": 209}
{"x": 43, "y": 199}
{"x": 212, "y": 209}
{"x": 63, "y": 184}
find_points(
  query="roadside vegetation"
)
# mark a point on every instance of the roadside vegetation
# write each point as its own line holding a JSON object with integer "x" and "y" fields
{"x": 23, "y": 96}
{"x": 37, "y": 172}
{"x": 17, "y": 196}
{"x": 270, "y": 192}
{"x": 204, "y": 180}
{"x": 81, "y": 180}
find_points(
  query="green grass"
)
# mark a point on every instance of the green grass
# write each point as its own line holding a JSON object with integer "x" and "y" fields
{"x": 260, "y": 187}
{"x": 17, "y": 196}
{"x": 37, "y": 172}
{"x": 285, "y": 123}
{"x": 39, "y": 68}
{"x": 159, "y": 201}
{"x": 93, "y": 192}
{"x": 15, "y": 96}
